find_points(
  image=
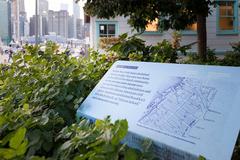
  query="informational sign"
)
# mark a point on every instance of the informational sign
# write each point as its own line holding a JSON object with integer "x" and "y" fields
{"x": 186, "y": 110}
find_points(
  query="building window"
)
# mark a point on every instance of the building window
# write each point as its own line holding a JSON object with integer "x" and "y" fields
{"x": 190, "y": 30}
{"x": 107, "y": 30}
{"x": 227, "y": 17}
{"x": 192, "y": 27}
{"x": 152, "y": 27}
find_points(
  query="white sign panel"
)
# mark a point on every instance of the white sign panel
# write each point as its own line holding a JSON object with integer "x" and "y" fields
{"x": 187, "y": 110}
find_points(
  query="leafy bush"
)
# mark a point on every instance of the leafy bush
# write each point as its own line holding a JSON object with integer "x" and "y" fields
{"x": 100, "y": 141}
{"x": 128, "y": 45}
{"x": 163, "y": 52}
{"x": 134, "y": 49}
{"x": 135, "y": 57}
{"x": 195, "y": 59}
{"x": 232, "y": 58}
{"x": 106, "y": 42}
{"x": 87, "y": 141}
{"x": 40, "y": 92}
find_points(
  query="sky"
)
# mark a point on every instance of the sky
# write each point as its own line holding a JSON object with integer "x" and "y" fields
{"x": 53, "y": 5}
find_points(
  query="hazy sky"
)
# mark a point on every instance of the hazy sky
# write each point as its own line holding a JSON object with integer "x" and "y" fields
{"x": 53, "y": 5}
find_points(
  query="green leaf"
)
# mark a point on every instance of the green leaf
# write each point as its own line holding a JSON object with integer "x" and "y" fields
{"x": 1, "y": 82}
{"x": 201, "y": 158}
{"x": 2, "y": 121}
{"x": 7, "y": 153}
{"x": 81, "y": 157}
{"x": 106, "y": 148}
{"x": 121, "y": 130}
{"x": 27, "y": 57}
{"x": 68, "y": 81}
{"x": 99, "y": 123}
{"x": 22, "y": 148}
{"x": 26, "y": 107}
{"x": 37, "y": 158}
{"x": 7, "y": 138}
{"x": 69, "y": 98}
{"x": 66, "y": 145}
{"x": 130, "y": 155}
{"x": 34, "y": 137}
{"x": 17, "y": 138}
{"x": 123, "y": 36}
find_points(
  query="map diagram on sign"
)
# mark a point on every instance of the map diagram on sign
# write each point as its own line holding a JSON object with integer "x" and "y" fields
{"x": 177, "y": 109}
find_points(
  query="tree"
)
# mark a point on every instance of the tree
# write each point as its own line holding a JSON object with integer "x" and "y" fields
{"x": 175, "y": 14}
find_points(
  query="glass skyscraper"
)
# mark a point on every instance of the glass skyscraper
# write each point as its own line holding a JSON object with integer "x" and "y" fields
{"x": 5, "y": 21}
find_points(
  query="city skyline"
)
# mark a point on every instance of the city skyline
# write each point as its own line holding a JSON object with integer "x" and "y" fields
{"x": 65, "y": 20}
{"x": 54, "y": 5}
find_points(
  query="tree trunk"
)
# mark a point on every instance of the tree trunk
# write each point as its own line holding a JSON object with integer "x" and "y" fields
{"x": 202, "y": 37}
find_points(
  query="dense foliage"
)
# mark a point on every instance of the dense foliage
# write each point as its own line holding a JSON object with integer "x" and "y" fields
{"x": 231, "y": 58}
{"x": 100, "y": 142}
{"x": 133, "y": 48}
{"x": 41, "y": 90}
{"x": 39, "y": 94}
{"x": 211, "y": 59}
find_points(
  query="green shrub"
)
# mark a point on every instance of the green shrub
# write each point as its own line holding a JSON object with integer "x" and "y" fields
{"x": 135, "y": 57}
{"x": 195, "y": 59}
{"x": 163, "y": 52}
{"x": 232, "y": 58}
{"x": 134, "y": 49}
{"x": 100, "y": 141}
{"x": 87, "y": 141}
{"x": 128, "y": 45}
{"x": 40, "y": 92}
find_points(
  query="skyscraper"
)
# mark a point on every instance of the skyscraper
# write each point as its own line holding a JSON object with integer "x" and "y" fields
{"x": 5, "y": 21}
{"x": 79, "y": 28}
{"x": 22, "y": 19}
{"x": 70, "y": 27}
{"x": 43, "y": 17}
{"x": 52, "y": 21}
{"x": 21, "y": 6}
{"x": 19, "y": 19}
{"x": 58, "y": 22}
{"x": 43, "y": 7}
{"x": 15, "y": 20}
{"x": 63, "y": 23}
{"x": 32, "y": 25}
{"x": 76, "y": 15}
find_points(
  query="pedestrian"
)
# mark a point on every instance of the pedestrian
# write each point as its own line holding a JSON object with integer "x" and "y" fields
{"x": 82, "y": 51}
{"x": 10, "y": 55}
{"x": 68, "y": 52}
